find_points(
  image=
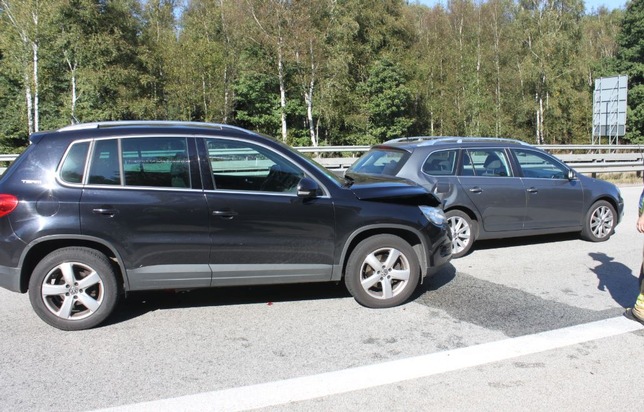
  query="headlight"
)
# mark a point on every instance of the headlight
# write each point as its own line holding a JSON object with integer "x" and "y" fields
{"x": 433, "y": 214}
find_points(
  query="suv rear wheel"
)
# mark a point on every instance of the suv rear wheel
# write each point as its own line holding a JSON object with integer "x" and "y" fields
{"x": 382, "y": 271}
{"x": 73, "y": 288}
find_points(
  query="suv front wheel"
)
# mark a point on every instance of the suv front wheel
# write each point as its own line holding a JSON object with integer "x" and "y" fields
{"x": 382, "y": 271}
{"x": 73, "y": 288}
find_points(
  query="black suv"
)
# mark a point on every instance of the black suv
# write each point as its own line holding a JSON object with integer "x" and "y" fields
{"x": 92, "y": 211}
{"x": 498, "y": 188}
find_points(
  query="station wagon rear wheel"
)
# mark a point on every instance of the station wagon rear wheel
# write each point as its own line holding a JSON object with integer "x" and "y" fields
{"x": 600, "y": 222}
{"x": 382, "y": 271}
{"x": 73, "y": 288}
{"x": 463, "y": 232}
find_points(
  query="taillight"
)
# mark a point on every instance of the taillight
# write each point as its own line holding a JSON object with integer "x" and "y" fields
{"x": 7, "y": 204}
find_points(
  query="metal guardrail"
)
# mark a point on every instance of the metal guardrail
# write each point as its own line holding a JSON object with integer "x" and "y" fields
{"x": 588, "y": 159}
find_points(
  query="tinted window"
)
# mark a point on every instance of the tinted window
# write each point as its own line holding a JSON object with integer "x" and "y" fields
{"x": 73, "y": 166}
{"x": 157, "y": 162}
{"x": 441, "y": 163}
{"x": 485, "y": 162}
{"x": 104, "y": 169}
{"x": 242, "y": 166}
{"x": 539, "y": 165}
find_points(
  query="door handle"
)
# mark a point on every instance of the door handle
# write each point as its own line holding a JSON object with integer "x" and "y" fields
{"x": 533, "y": 190}
{"x": 225, "y": 214}
{"x": 105, "y": 212}
{"x": 476, "y": 190}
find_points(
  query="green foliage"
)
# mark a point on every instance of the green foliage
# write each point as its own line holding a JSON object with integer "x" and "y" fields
{"x": 630, "y": 61}
{"x": 354, "y": 71}
{"x": 387, "y": 102}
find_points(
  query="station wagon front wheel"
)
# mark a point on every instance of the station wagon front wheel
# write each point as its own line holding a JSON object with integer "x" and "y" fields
{"x": 600, "y": 222}
{"x": 73, "y": 288}
{"x": 382, "y": 271}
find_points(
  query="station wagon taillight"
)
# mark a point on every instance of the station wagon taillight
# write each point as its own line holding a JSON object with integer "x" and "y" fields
{"x": 7, "y": 204}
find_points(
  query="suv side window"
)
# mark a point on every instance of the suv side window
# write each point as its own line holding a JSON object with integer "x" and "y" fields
{"x": 441, "y": 163}
{"x": 485, "y": 162}
{"x": 73, "y": 167}
{"x": 243, "y": 166}
{"x": 104, "y": 169}
{"x": 156, "y": 162}
{"x": 539, "y": 165}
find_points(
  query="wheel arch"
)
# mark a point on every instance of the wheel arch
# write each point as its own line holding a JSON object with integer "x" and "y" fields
{"x": 472, "y": 216}
{"x": 411, "y": 236}
{"x": 37, "y": 250}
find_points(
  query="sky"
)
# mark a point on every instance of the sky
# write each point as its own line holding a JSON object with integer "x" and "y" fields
{"x": 590, "y": 4}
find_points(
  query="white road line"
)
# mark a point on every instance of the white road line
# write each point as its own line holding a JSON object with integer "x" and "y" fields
{"x": 348, "y": 380}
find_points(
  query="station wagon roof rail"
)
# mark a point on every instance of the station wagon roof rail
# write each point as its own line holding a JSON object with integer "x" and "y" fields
{"x": 435, "y": 140}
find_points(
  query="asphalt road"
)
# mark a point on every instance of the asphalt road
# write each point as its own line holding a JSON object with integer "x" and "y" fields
{"x": 521, "y": 324}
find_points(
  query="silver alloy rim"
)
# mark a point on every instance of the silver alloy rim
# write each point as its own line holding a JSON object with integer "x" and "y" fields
{"x": 601, "y": 222}
{"x": 385, "y": 273}
{"x": 72, "y": 290}
{"x": 461, "y": 233}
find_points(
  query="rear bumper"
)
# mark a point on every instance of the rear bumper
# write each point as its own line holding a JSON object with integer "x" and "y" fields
{"x": 10, "y": 278}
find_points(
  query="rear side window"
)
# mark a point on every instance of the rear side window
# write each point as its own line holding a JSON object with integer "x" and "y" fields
{"x": 380, "y": 162}
{"x": 142, "y": 162}
{"x": 73, "y": 166}
{"x": 485, "y": 162}
{"x": 104, "y": 168}
{"x": 441, "y": 163}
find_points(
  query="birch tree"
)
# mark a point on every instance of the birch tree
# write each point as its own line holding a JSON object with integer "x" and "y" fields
{"x": 25, "y": 17}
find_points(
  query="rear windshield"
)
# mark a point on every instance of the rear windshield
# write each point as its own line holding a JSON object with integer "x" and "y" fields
{"x": 380, "y": 162}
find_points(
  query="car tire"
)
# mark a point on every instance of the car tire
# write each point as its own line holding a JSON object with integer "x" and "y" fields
{"x": 463, "y": 230}
{"x": 600, "y": 222}
{"x": 382, "y": 271}
{"x": 73, "y": 288}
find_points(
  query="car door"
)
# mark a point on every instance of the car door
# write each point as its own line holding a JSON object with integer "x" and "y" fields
{"x": 261, "y": 231}
{"x": 553, "y": 200}
{"x": 486, "y": 177}
{"x": 143, "y": 197}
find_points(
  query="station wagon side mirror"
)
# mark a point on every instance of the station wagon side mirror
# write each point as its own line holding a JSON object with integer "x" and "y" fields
{"x": 307, "y": 188}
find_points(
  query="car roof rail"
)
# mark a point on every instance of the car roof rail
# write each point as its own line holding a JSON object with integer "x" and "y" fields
{"x": 158, "y": 123}
{"x": 412, "y": 139}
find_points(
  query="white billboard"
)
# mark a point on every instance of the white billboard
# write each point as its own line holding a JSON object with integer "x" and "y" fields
{"x": 609, "y": 106}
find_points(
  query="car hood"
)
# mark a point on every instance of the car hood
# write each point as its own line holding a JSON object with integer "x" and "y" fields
{"x": 390, "y": 189}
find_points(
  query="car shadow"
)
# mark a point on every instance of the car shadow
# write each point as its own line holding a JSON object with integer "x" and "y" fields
{"x": 616, "y": 278}
{"x": 140, "y": 303}
{"x": 441, "y": 278}
{"x": 137, "y": 304}
{"x": 521, "y": 241}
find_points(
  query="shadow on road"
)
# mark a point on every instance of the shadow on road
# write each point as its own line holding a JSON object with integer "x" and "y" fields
{"x": 522, "y": 241}
{"x": 617, "y": 278}
{"x": 139, "y": 303}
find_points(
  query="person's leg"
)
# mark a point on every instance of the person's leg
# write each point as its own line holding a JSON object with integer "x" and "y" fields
{"x": 637, "y": 312}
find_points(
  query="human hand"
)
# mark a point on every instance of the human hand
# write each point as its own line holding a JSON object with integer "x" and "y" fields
{"x": 640, "y": 224}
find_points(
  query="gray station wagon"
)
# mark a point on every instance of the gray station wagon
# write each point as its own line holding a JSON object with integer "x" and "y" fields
{"x": 497, "y": 188}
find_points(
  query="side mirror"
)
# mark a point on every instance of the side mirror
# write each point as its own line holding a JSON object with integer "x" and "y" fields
{"x": 307, "y": 188}
{"x": 571, "y": 174}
